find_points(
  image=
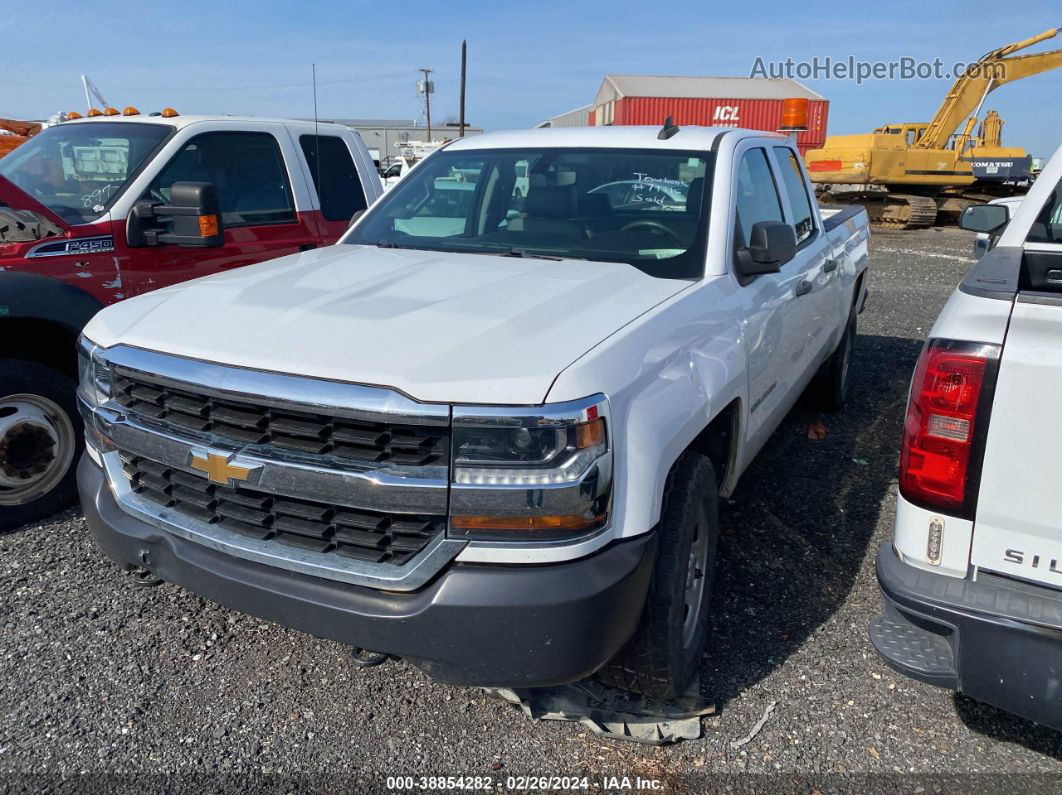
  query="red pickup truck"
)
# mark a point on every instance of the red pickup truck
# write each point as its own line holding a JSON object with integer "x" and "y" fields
{"x": 100, "y": 209}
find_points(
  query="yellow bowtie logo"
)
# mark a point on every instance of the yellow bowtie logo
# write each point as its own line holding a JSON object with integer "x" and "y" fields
{"x": 219, "y": 469}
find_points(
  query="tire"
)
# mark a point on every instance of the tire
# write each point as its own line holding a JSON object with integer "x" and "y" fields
{"x": 41, "y": 438}
{"x": 833, "y": 382}
{"x": 664, "y": 655}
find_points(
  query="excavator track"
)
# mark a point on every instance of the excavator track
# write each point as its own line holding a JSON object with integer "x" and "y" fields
{"x": 889, "y": 210}
{"x": 902, "y": 211}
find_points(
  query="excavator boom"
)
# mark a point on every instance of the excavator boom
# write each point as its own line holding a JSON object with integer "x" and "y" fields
{"x": 989, "y": 73}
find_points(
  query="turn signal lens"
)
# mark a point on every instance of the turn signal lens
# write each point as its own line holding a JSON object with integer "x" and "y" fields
{"x": 208, "y": 225}
{"x": 951, "y": 383}
{"x": 590, "y": 434}
{"x": 569, "y": 523}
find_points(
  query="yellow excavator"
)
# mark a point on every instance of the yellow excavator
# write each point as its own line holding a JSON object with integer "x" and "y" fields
{"x": 905, "y": 173}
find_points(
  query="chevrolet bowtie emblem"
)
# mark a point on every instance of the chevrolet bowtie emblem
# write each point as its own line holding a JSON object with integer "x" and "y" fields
{"x": 219, "y": 469}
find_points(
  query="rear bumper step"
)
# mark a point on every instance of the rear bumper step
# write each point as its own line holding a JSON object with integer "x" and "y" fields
{"x": 994, "y": 640}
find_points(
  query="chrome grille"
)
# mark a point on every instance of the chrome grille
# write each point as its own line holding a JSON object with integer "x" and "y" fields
{"x": 242, "y": 423}
{"x": 369, "y": 536}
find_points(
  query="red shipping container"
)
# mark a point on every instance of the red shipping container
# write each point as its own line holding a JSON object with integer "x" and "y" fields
{"x": 755, "y": 114}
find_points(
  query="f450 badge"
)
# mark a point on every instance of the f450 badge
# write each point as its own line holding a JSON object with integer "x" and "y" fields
{"x": 78, "y": 246}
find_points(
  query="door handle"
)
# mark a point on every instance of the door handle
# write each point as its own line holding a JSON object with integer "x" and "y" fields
{"x": 829, "y": 266}
{"x": 803, "y": 288}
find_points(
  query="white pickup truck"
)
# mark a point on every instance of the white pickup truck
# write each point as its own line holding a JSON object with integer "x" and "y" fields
{"x": 484, "y": 431}
{"x": 972, "y": 583}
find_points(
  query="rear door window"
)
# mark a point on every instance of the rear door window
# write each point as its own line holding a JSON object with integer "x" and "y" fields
{"x": 796, "y": 187}
{"x": 247, "y": 168}
{"x": 757, "y": 194}
{"x": 334, "y": 176}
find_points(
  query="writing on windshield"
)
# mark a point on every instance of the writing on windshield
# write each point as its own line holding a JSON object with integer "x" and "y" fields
{"x": 643, "y": 207}
{"x": 77, "y": 170}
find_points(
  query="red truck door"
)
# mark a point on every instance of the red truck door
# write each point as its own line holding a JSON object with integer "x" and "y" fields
{"x": 257, "y": 209}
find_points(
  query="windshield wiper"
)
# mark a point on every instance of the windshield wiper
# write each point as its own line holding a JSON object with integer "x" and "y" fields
{"x": 390, "y": 244}
{"x": 525, "y": 254}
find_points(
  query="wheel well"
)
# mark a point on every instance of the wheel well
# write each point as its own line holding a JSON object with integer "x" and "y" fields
{"x": 858, "y": 288}
{"x": 41, "y": 341}
{"x": 717, "y": 440}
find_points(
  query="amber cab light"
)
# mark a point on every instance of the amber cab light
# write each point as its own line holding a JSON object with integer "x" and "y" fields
{"x": 794, "y": 114}
{"x": 130, "y": 111}
{"x": 947, "y": 412}
{"x": 110, "y": 112}
{"x": 168, "y": 113}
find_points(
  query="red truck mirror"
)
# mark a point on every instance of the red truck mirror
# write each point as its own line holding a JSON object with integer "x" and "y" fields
{"x": 192, "y": 218}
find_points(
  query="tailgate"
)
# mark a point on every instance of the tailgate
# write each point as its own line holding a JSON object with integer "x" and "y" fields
{"x": 1018, "y": 528}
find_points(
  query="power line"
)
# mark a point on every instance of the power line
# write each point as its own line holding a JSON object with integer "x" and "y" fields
{"x": 206, "y": 88}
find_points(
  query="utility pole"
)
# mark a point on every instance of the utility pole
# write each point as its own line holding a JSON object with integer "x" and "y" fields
{"x": 427, "y": 87}
{"x": 464, "y": 62}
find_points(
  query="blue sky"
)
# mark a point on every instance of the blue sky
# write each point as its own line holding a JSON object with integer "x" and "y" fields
{"x": 527, "y": 61}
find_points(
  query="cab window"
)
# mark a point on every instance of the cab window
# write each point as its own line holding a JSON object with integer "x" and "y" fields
{"x": 796, "y": 187}
{"x": 757, "y": 194}
{"x": 247, "y": 169}
{"x": 1048, "y": 225}
{"x": 335, "y": 177}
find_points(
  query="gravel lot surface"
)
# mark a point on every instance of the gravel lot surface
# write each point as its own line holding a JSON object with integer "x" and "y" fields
{"x": 106, "y": 684}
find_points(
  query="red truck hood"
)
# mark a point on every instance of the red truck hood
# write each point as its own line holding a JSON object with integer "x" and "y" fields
{"x": 17, "y": 199}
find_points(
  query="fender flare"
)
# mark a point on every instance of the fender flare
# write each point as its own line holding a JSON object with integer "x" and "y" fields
{"x": 32, "y": 297}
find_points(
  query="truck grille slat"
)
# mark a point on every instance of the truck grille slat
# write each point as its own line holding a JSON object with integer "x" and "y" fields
{"x": 364, "y": 535}
{"x": 243, "y": 423}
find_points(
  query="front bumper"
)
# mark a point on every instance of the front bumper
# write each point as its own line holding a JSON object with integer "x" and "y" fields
{"x": 474, "y": 624}
{"x": 996, "y": 640}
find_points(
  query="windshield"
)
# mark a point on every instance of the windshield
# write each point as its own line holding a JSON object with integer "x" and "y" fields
{"x": 77, "y": 170}
{"x": 647, "y": 208}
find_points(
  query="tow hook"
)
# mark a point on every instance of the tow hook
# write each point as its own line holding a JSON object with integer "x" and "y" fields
{"x": 143, "y": 576}
{"x": 145, "y": 579}
{"x": 363, "y": 658}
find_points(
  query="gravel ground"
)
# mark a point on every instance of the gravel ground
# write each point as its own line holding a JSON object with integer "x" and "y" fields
{"x": 107, "y": 684}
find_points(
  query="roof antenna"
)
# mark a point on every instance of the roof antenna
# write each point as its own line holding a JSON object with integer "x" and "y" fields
{"x": 668, "y": 129}
{"x": 317, "y": 157}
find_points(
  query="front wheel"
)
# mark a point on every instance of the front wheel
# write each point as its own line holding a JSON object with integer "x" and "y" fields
{"x": 40, "y": 437}
{"x": 664, "y": 655}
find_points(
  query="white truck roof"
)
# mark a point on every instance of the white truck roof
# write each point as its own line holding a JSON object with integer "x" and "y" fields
{"x": 179, "y": 122}
{"x": 693, "y": 138}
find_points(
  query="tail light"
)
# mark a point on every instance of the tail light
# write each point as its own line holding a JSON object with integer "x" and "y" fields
{"x": 943, "y": 433}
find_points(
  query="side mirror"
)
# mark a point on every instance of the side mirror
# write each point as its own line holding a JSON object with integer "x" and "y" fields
{"x": 772, "y": 244}
{"x": 192, "y": 218}
{"x": 987, "y": 218}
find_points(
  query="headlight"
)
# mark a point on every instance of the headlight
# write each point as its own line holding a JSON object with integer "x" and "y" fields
{"x": 93, "y": 374}
{"x": 543, "y": 474}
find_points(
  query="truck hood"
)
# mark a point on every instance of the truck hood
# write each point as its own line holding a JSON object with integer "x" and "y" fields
{"x": 441, "y": 327}
{"x": 14, "y": 197}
